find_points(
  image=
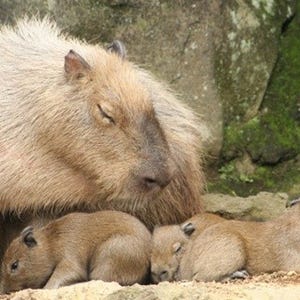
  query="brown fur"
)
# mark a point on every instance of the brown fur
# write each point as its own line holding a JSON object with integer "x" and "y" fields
{"x": 219, "y": 247}
{"x": 107, "y": 245}
{"x": 59, "y": 152}
{"x": 168, "y": 244}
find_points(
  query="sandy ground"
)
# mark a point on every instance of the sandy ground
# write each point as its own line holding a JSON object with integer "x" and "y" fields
{"x": 279, "y": 286}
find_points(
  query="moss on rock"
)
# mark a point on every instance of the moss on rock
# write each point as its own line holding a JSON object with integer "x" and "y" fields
{"x": 248, "y": 53}
{"x": 272, "y": 137}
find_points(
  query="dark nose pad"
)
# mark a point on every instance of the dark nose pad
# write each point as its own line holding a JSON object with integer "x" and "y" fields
{"x": 154, "y": 176}
{"x": 163, "y": 275}
{"x": 152, "y": 182}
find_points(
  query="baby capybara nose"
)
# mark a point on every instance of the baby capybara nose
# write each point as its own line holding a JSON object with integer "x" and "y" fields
{"x": 163, "y": 275}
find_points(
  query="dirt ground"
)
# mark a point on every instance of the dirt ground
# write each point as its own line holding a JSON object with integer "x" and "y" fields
{"x": 278, "y": 285}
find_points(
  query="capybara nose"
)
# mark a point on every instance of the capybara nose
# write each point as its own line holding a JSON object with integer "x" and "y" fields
{"x": 163, "y": 275}
{"x": 154, "y": 178}
{"x": 152, "y": 182}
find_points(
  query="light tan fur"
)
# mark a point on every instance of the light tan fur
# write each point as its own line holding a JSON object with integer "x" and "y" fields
{"x": 106, "y": 245}
{"x": 58, "y": 154}
{"x": 218, "y": 247}
{"x": 168, "y": 244}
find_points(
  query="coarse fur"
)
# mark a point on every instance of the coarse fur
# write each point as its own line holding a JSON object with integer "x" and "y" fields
{"x": 88, "y": 130}
{"x": 106, "y": 245}
{"x": 217, "y": 248}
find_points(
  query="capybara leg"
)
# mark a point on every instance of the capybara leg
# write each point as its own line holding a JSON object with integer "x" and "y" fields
{"x": 124, "y": 259}
{"x": 65, "y": 273}
{"x": 241, "y": 274}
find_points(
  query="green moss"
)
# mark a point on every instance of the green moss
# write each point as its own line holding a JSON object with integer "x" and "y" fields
{"x": 282, "y": 177}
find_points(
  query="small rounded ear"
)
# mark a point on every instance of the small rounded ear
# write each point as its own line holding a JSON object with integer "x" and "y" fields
{"x": 188, "y": 228}
{"x": 176, "y": 247}
{"x": 28, "y": 237}
{"x": 293, "y": 202}
{"x": 75, "y": 65}
{"x": 118, "y": 48}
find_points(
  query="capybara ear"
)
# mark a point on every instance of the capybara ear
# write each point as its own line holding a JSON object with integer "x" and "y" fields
{"x": 75, "y": 65}
{"x": 118, "y": 48}
{"x": 188, "y": 228}
{"x": 28, "y": 238}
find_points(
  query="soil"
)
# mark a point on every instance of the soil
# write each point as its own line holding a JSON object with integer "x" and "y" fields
{"x": 278, "y": 285}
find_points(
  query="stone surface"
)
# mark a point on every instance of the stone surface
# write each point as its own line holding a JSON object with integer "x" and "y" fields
{"x": 261, "y": 207}
{"x": 248, "y": 52}
{"x": 272, "y": 137}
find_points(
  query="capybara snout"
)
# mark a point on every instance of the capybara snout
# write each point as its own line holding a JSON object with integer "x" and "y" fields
{"x": 154, "y": 176}
{"x": 156, "y": 167}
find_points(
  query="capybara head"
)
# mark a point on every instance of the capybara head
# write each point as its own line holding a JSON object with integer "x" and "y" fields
{"x": 26, "y": 263}
{"x": 109, "y": 120}
{"x": 168, "y": 243}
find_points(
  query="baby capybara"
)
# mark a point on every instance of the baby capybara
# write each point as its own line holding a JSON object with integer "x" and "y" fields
{"x": 208, "y": 247}
{"x": 106, "y": 245}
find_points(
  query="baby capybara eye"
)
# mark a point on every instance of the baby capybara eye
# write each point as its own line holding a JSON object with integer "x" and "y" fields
{"x": 14, "y": 266}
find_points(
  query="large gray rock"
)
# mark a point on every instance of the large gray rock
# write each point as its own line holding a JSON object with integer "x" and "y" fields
{"x": 261, "y": 207}
{"x": 247, "y": 52}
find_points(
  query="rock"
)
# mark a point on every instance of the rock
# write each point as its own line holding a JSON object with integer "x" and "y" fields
{"x": 251, "y": 28}
{"x": 272, "y": 137}
{"x": 264, "y": 206}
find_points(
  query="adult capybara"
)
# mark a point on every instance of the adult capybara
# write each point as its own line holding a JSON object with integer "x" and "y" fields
{"x": 216, "y": 249}
{"x": 82, "y": 128}
{"x": 106, "y": 245}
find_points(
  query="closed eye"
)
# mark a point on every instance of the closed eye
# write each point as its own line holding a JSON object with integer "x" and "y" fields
{"x": 105, "y": 115}
{"x": 177, "y": 250}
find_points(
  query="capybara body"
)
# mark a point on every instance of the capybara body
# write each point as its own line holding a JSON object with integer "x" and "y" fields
{"x": 106, "y": 245}
{"x": 82, "y": 128}
{"x": 217, "y": 248}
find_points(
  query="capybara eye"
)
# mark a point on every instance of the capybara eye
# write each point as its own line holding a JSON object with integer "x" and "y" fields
{"x": 14, "y": 266}
{"x": 105, "y": 115}
{"x": 176, "y": 247}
